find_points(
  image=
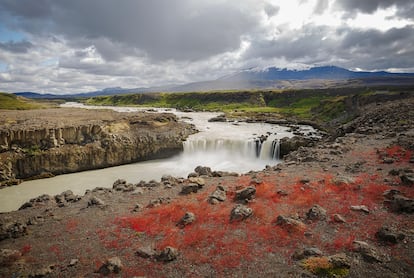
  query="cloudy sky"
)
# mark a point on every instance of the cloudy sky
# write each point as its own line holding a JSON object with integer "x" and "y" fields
{"x": 60, "y": 46}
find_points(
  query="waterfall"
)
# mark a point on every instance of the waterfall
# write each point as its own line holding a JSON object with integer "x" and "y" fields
{"x": 253, "y": 148}
{"x": 270, "y": 149}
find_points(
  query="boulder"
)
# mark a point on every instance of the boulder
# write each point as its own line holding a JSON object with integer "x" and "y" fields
{"x": 95, "y": 201}
{"x": 189, "y": 188}
{"x": 368, "y": 252}
{"x": 407, "y": 179}
{"x": 306, "y": 252}
{"x": 240, "y": 212}
{"x": 389, "y": 235}
{"x": 290, "y": 223}
{"x": 112, "y": 265}
{"x": 12, "y": 230}
{"x": 218, "y": 195}
{"x": 339, "y": 218}
{"x": 146, "y": 252}
{"x": 245, "y": 194}
{"x": 203, "y": 171}
{"x": 342, "y": 180}
{"x": 197, "y": 180}
{"x": 361, "y": 208}
{"x": 187, "y": 219}
{"x": 288, "y": 145}
{"x": 401, "y": 204}
{"x": 316, "y": 213}
{"x": 167, "y": 255}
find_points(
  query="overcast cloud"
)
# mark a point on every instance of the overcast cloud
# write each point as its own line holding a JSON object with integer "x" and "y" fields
{"x": 78, "y": 46}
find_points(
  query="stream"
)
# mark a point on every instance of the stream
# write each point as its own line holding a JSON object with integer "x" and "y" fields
{"x": 223, "y": 146}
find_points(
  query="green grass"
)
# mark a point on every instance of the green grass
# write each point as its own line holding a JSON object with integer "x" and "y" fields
{"x": 320, "y": 105}
{"x": 13, "y": 102}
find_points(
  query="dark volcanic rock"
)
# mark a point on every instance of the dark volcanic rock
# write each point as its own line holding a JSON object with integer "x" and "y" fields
{"x": 240, "y": 212}
{"x": 95, "y": 201}
{"x": 389, "y": 235}
{"x": 307, "y": 252}
{"x": 189, "y": 188}
{"x": 12, "y": 230}
{"x": 112, "y": 265}
{"x": 167, "y": 255}
{"x": 245, "y": 194}
{"x": 218, "y": 195}
{"x": 203, "y": 171}
{"x": 289, "y": 223}
{"x": 407, "y": 179}
{"x": 316, "y": 213}
{"x": 187, "y": 219}
{"x": 146, "y": 252}
{"x": 288, "y": 145}
{"x": 401, "y": 204}
{"x": 368, "y": 252}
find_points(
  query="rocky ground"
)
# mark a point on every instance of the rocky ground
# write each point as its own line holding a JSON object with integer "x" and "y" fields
{"x": 341, "y": 208}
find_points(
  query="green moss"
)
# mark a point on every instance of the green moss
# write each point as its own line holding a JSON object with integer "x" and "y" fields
{"x": 32, "y": 150}
{"x": 322, "y": 267}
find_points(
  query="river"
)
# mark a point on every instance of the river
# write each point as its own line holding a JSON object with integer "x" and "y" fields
{"x": 222, "y": 146}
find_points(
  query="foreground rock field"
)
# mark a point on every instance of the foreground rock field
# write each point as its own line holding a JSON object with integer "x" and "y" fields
{"x": 341, "y": 208}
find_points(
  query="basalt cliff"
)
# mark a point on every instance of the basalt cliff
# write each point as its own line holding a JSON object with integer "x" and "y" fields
{"x": 50, "y": 142}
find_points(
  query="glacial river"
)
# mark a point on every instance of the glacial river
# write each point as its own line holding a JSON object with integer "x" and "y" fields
{"x": 222, "y": 146}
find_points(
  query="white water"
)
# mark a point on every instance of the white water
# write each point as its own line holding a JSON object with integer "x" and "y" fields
{"x": 221, "y": 146}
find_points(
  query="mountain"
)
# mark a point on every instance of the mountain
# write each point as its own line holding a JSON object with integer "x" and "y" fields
{"x": 326, "y": 73}
{"x": 272, "y": 77}
{"x": 316, "y": 77}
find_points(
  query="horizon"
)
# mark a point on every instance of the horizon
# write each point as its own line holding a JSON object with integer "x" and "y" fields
{"x": 59, "y": 46}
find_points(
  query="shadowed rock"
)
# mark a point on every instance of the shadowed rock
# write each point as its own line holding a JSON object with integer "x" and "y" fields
{"x": 218, "y": 195}
{"x": 167, "y": 255}
{"x": 388, "y": 235}
{"x": 245, "y": 194}
{"x": 112, "y": 265}
{"x": 187, "y": 219}
{"x": 240, "y": 212}
{"x": 316, "y": 213}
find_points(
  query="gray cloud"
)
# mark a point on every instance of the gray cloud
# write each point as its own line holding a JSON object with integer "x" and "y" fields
{"x": 174, "y": 29}
{"x": 321, "y": 6}
{"x": 271, "y": 10}
{"x": 370, "y": 6}
{"x": 77, "y": 45}
{"x": 370, "y": 49}
{"x": 16, "y": 47}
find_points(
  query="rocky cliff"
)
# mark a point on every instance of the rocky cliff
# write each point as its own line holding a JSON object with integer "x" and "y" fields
{"x": 73, "y": 140}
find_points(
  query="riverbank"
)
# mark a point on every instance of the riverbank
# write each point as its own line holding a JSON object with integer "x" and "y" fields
{"x": 47, "y": 142}
{"x": 342, "y": 208}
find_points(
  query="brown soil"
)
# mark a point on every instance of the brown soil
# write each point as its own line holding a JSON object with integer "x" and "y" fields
{"x": 374, "y": 155}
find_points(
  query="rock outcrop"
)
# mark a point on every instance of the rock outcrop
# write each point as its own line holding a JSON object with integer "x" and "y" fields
{"x": 30, "y": 150}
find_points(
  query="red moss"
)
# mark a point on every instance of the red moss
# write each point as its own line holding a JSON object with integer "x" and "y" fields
{"x": 398, "y": 153}
{"x": 56, "y": 250}
{"x": 25, "y": 249}
{"x": 71, "y": 225}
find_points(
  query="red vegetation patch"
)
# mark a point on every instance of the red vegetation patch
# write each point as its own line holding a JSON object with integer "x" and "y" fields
{"x": 56, "y": 250}
{"x": 213, "y": 240}
{"x": 398, "y": 153}
{"x": 71, "y": 225}
{"x": 25, "y": 249}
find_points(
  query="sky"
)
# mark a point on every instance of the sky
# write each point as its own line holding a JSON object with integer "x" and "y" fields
{"x": 60, "y": 46}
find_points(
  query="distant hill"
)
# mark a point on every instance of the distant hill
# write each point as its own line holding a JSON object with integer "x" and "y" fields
{"x": 13, "y": 102}
{"x": 272, "y": 77}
